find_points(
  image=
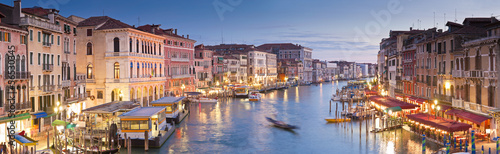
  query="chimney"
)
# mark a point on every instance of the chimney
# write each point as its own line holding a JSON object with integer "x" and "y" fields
{"x": 52, "y": 15}
{"x": 175, "y": 32}
{"x": 187, "y": 36}
{"x": 16, "y": 12}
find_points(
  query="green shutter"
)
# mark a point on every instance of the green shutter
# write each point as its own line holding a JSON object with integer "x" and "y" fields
{"x": 1, "y": 36}
{"x": 9, "y": 36}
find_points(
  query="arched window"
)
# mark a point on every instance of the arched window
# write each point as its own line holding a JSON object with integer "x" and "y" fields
{"x": 154, "y": 49}
{"x": 89, "y": 48}
{"x": 117, "y": 70}
{"x": 159, "y": 49}
{"x": 130, "y": 44}
{"x": 23, "y": 64}
{"x": 89, "y": 71}
{"x": 116, "y": 44}
{"x": 18, "y": 61}
{"x": 137, "y": 45}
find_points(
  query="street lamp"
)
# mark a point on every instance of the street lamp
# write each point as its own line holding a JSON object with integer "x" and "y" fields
{"x": 183, "y": 87}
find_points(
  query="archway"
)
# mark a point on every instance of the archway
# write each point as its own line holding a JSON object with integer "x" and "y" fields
{"x": 116, "y": 95}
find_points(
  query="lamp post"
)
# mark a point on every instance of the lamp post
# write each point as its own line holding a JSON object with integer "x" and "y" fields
{"x": 183, "y": 87}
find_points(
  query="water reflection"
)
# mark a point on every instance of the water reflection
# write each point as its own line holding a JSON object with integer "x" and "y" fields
{"x": 238, "y": 126}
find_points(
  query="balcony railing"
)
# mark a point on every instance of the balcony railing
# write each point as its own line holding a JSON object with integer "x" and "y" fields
{"x": 473, "y": 74}
{"x": 39, "y": 23}
{"x": 19, "y": 106}
{"x": 124, "y": 53}
{"x": 77, "y": 97}
{"x": 181, "y": 76}
{"x": 17, "y": 76}
{"x": 490, "y": 74}
{"x": 66, "y": 83}
{"x": 148, "y": 79}
{"x": 443, "y": 97}
{"x": 48, "y": 67}
{"x": 48, "y": 88}
{"x": 180, "y": 59}
{"x": 458, "y": 73}
{"x": 477, "y": 107}
{"x": 457, "y": 103}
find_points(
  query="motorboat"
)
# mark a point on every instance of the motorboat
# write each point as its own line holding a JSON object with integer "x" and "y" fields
{"x": 334, "y": 120}
{"x": 254, "y": 96}
{"x": 281, "y": 124}
{"x": 241, "y": 91}
{"x": 335, "y": 97}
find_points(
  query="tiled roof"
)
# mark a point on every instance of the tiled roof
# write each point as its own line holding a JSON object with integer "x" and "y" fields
{"x": 107, "y": 23}
{"x": 11, "y": 26}
{"x": 281, "y": 46}
{"x": 155, "y": 29}
{"x": 38, "y": 11}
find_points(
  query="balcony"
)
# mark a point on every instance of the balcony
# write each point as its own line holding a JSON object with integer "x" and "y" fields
{"x": 179, "y": 59}
{"x": 124, "y": 53}
{"x": 478, "y": 108}
{"x": 19, "y": 106}
{"x": 48, "y": 67}
{"x": 148, "y": 79}
{"x": 443, "y": 98}
{"x": 457, "y": 73}
{"x": 90, "y": 80}
{"x": 17, "y": 76}
{"x": 181, "y": 76}
{"x": 47, "y": 44}
{"x": 48, "y": 88}
{"x": 28, "y": 21}
{"x": 473, "y": 74}
{"x": 457, "y": 103}
{"x": 490, "y": 74}
{"x": 75, "y": 98}
{"x": 66, "y": 83}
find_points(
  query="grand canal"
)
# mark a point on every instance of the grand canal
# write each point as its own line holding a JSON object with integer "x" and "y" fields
{"x": 238, "y": 126}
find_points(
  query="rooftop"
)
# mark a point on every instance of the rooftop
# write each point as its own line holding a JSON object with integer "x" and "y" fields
{"x": 112, "y": 107}
{"x": 164, "y": 100}
{"x": 143, "y": 112}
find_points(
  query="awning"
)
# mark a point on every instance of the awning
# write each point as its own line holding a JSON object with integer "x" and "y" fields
{"x": 469, "y": 116}
{"x": 40, "y": 115}
{"x": 370, "y": 92}
{"x": 394, "y": 109}
{"x": 445, "y": 107}
{"x": 416, "y": 100}
{"x": 24, "y": 140}
{"x": 439, "y": 123}
{"x": 391, "y": 102}
{"x": 17, "y": 117}
{"x": 192, "y": 93}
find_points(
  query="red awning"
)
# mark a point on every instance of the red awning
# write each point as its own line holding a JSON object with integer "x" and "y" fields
{"x": 370, "y": 92}
{"x": 416, "y": 100}
{"x": 444, "y": 107}
{"x": 391, "y": 102}
{"x": 439, "y": 123}
{"x": 469, "y": 116}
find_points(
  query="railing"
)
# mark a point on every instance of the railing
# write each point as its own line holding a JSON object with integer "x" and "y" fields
{"x": 477, "y": 107}
{"x": 77, "y": 97}
{"x": 124, "y": 53}
{"x": 91, "y": 80}
{"x": 17, "y": 76}
{"x": 39, "y": 23}
{"x": 19, "y": 106}
{"x": 473, "y": 74}
{"x": 181, "y": 76}
{"x": 47, "y": 44}
{"x": 48, "y": 88}
{"x": 66, "y": 83}
{"x": 457, "y": 73}
{"x": 457, "y": 103}
{"x": 180, "y": 59}
{"x": 443, "y": 97}
{"x": 148, "y": 79}
{"x": 48, "y": 67}
{"x": 490, "y": 74}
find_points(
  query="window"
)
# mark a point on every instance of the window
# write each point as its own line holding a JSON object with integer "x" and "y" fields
{"x": 117, "y": 70}
{"x": 31, "y": 35}
{"x": 58, "y": 59}
{"x": 31, "y": 58}
{"x": 74, "y": 47}
{"x": 58, "y": 39}
{"x": 39, "y": 58}
{"x": 99, "y": 94}
{"x": 89, "y": 32}
{"x": 116, "y": 44}
{"x": 39, "y": 36}
{"x": 89, "y": 48}
{"x": 51, "y": 39}
{"x": 130, "y": 44}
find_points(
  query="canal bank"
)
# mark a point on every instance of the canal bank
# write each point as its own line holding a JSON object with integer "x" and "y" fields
{"x": 237, "y": 126}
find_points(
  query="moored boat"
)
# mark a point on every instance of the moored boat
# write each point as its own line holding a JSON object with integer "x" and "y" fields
{"x": 254, "y": 96}
{"x": 333, "y": 120}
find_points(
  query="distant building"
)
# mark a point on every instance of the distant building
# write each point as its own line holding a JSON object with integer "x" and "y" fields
{"x": 203, "y": 66}
{"x": 289, "y": 51}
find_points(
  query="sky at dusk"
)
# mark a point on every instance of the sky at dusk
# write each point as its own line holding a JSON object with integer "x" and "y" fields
{"x": 335, "y": 30}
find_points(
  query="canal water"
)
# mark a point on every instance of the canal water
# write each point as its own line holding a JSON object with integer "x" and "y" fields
{"x": 238, "y": 126}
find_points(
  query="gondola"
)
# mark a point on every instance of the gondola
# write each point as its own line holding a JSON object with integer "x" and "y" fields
{"x": 281, "y": 124}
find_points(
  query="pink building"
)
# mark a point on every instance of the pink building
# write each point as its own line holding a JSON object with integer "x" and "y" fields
{"x": 179, "y": 59}
{"x": 13, "y": 43}
{"x": 203, "y": 66}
